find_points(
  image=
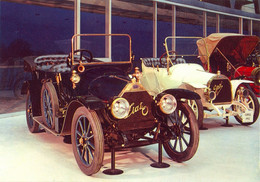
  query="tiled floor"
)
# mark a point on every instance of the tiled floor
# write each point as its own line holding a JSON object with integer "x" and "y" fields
{"x": 224, "y": 155}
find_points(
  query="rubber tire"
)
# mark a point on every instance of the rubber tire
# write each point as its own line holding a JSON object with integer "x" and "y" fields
{"x": 193, "y": 143}
{"x": 256, "y": 109}
{"x": 31, "y": 124}
{"x": 200, "y": 111}
{"x": 54, "y": 103}
{"x": 94, "y": 122}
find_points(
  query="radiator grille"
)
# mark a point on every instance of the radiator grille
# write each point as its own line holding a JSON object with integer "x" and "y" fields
{"x": 222, "y": 87}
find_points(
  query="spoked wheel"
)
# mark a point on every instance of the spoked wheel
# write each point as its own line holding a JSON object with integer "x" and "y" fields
{"x": 197, "y": 107}
{"x": 32, "y": 125}
{"x": 183, "y": 133}
{"x": 87, "y": 140}
{"x": 251, "y": 102}
{"x": 49, "y": 104}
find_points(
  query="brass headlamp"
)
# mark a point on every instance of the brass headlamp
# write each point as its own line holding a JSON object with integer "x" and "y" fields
{"x": 75, "y": 78}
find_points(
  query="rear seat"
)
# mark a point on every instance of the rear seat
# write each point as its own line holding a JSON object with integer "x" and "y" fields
{"x": 155, "y": 62}
{"x": 53, "y": 63}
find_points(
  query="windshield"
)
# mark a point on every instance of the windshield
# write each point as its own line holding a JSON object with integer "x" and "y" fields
{"x": 105, "y": 48}
{"x": 184, "y": 48}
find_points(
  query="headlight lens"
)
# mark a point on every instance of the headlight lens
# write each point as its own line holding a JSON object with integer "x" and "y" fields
{"x": 120, "y": 108}
{"x": 212, "y": 95}
{"x": 168, "y": 104}
{"x": 75, "y": 78}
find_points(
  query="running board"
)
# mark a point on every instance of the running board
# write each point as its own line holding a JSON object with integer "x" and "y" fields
{"x": 39, "y": 120}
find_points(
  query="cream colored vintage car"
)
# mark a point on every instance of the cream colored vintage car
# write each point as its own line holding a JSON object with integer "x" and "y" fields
{"x": 181, "y": 69}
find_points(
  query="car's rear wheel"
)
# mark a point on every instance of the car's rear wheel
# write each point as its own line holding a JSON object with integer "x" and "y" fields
{"x": 252, "y": 103}
{"x": 49, "y": 104}
{"x": 87, "y": 140}
{"x": 17, "y": 88}
{"x": 183, "y": 134}
{"x": 32, "y": 125}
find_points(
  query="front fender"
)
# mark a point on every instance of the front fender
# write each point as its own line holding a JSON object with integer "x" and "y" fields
{"x": 182, "y": 94}
{"x": 236, "y": 83}
{"x": 92, "y": 103}
{"x": 73, "y": 106}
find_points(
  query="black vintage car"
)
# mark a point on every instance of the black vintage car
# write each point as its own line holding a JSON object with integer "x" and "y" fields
{"x": 97, "y": 102}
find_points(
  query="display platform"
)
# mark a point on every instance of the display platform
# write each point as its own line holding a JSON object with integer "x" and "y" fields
{"x": 225, "y": 154}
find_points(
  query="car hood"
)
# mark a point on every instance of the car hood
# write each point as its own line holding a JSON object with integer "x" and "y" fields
{"x": 106, "y": 87}
{"x": 156, "y": 80}
{"x": 192, "y": 74}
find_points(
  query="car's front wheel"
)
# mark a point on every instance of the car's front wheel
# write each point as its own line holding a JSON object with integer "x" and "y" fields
{"x": 182, "y": 133}
{"x": 87, "y": 140}
{"x": 251, "y": 102}
{"x": 32, "y": 125}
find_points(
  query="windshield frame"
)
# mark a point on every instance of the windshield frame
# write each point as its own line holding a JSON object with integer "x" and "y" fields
{"x": 74, "y": 47}
{"x": 173, "y": 43}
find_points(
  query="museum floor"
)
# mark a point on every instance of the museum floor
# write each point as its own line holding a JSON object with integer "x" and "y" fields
{"x": 224, "y": 154}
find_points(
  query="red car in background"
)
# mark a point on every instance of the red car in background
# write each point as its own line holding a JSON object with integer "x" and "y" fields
{"x": 235, "y": 55}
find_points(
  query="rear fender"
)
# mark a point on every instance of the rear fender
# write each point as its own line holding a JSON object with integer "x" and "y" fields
{"x": 25, "y": 87}
{"x": 182, "y": 94}
{"x": 235, "y": 84}
{"x": 34, "y": 86}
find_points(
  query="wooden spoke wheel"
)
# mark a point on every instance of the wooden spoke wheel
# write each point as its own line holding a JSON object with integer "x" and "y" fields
{"x": 87, "y": 140}
{"x": 49, "y": 104}
{"x": 32, "y": 125}
{"x": 183, "y": 133}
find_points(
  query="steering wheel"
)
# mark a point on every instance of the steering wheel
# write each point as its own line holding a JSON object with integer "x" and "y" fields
{"x": 88, "y": 57}
{"x": 172, "y": 56}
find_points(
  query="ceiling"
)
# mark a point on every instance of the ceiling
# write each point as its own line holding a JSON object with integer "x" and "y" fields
{"x": 142, "y": 9}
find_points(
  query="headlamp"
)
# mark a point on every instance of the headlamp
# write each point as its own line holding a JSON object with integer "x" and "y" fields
{"x": 168, "y": 104}
{"x": 75, "y": 78}
{"x": 120, "y": 108}
{"x": 212, "y": 95}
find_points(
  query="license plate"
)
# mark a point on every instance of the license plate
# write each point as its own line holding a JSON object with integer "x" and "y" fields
{"x": 248, "y": 116}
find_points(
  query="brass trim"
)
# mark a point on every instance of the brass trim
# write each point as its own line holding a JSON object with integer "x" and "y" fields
{"x": 161, "y": 102}
{"x": 39, "y": 120}
{"x": 130, "y": 88}
{"x": 222, "y": 103}
{"x": 74, "y": 78}
{"x": 112, "y": 110}
{"x": 58, "y": 78}
{"x": 218, "y": 77}
{"x": 81, "y": 68}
